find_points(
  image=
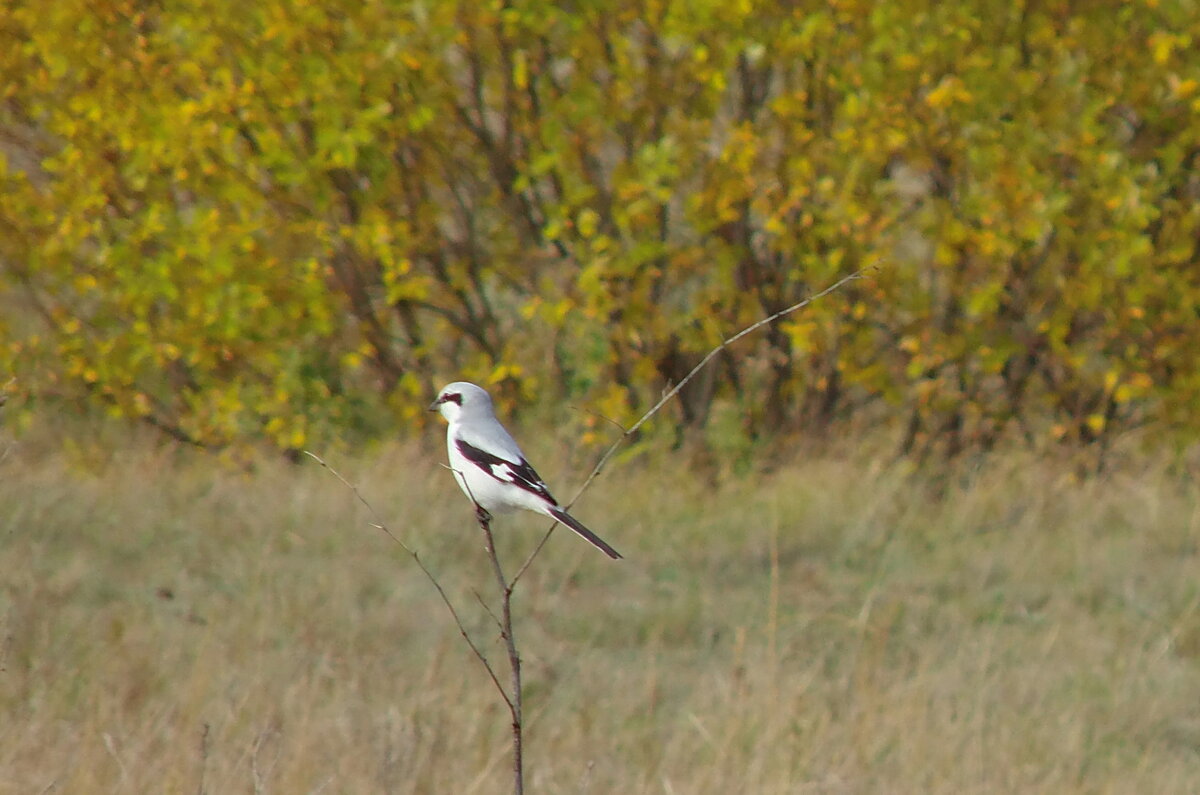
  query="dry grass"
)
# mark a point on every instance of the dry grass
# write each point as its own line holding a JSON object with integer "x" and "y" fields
{"x": 171, "y": 625}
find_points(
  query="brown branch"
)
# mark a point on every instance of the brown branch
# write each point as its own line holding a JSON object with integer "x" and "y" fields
{"x": 506, "y": 632}
{"x": 858, "y": 274}
{"x": 379, "y": 525}
{"x": 627, "y": 432}
{"x": 513, "y": 698}
{"x": 510, "y": 645}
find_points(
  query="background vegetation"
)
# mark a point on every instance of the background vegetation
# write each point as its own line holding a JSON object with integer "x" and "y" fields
{"x": 258, "y": 220}
{"x": 170, "y": 626}
{"x": 291, "y": 222}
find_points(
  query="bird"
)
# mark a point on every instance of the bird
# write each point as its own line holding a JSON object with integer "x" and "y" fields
{"x": 489, "y": 466}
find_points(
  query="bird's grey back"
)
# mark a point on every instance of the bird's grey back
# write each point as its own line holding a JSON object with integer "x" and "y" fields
{"x": 478, "y": 426}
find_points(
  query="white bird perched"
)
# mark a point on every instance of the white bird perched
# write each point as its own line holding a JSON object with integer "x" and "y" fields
{"x": 490, "y": 467}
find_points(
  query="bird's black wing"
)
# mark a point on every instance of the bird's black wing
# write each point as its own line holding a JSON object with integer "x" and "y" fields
{"x": 518, "y": 473}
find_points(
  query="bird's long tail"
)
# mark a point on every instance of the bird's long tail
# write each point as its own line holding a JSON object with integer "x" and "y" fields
{"x": 595, "y": 540}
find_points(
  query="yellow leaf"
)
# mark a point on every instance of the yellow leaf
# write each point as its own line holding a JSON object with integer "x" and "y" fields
{"x": 1184, "y": 88}
{"x": 587, "y": 222}
{"x": 520, "y": 70}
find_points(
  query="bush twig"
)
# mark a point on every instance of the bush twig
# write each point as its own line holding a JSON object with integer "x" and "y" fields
{"x": 514, "y": 657}
{"x": 673, "y": 391}
{"x": 512, "y": 698}
{"x": 379, "y": 525}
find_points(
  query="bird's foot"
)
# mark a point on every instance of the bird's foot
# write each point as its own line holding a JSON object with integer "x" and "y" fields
{"x": 482, "y": 515}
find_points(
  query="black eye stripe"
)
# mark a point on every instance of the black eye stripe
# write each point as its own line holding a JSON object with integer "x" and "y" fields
{"x": 453, "y": 397}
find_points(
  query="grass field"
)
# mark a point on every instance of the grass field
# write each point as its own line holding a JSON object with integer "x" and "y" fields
{"x": 170, "y": 624}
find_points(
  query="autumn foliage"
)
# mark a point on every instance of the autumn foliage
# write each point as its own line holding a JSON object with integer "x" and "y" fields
{"x": 245, "y": 220}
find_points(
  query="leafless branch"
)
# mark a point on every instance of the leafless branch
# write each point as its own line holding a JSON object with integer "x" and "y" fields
{"x": 379, "y": 524}
{"x": 488, "y": 609}
{"x": 858, "y": 274}
{"x": 200, "y": 788}
{"x": 627, "y": 432}
{"x": 505, "y": 622}
{"x": 513, "y": 697}
{"x": 514, "y": 657}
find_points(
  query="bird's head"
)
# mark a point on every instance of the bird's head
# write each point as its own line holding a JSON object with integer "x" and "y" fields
{"x": 461, "y": 398}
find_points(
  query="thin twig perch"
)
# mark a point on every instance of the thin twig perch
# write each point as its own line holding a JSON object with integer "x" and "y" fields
{"x": 514, "y": 657}
{"x": 379, "y": 525}
{"x": 627, "y": 432}
{"x": 505, "y": 621}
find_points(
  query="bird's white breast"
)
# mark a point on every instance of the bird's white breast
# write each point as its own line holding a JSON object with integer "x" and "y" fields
{"x": 483, "y": 489}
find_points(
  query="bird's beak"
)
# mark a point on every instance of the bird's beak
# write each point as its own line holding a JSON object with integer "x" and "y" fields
{"x": 433, "y": 406}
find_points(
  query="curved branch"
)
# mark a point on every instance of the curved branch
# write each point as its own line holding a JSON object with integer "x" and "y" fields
{"x": 627, "y": 432}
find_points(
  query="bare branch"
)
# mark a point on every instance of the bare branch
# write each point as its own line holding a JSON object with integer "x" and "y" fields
{"x": 514, "y": 657}
{"x": 533, "y": 555}
{"x": 506, "y": 632}
{"x": 627, "y": 432}
{"x": 200, "y": 788}
{"x": 488, "y": 609}
{"x": 379, "y": 524}
{"x": 858, "y": 274}
{"x": 504, "y": 621}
